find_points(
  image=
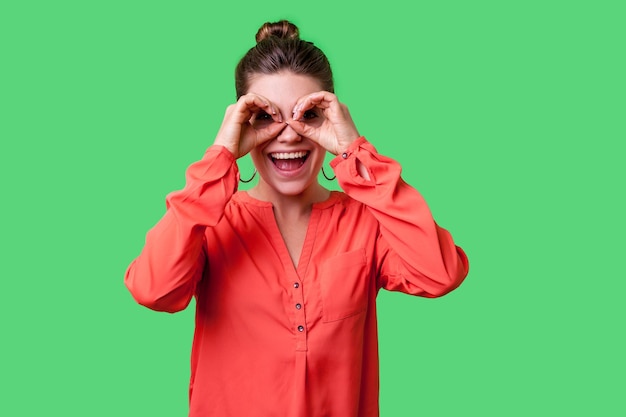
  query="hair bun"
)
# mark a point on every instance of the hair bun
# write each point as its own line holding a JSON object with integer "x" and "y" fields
{"x": 282, "y": 29}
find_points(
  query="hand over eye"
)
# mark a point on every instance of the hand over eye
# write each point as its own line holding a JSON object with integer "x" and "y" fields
{"x": 248, "y": 123}
{"x": 322, "y": 118}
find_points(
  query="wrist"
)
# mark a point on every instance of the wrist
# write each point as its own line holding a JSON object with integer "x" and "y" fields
{"x": 347, "y": 145}
{"x": 227, "y": 146}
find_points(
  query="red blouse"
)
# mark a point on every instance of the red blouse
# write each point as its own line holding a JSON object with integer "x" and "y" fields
{"x": 272, "y": 339}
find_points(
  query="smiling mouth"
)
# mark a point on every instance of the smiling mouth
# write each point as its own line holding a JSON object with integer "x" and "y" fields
{"x": 289, "y": 161}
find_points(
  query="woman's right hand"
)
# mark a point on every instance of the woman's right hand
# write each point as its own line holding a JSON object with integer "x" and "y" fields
{"x": 239, "y": 134}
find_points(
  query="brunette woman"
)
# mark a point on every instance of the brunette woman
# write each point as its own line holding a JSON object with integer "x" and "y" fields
{"x": 286, "y": 275}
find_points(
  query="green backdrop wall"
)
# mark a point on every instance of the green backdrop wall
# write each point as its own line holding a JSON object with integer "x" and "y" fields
{"x": 507, "y": 115}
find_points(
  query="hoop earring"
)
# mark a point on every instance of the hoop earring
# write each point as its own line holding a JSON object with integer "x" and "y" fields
{"x": 251, "y": 178}
{"x": 326, "y": 176}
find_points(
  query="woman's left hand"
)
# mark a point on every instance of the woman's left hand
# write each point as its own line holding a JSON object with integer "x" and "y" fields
{"x": 322, "y": 118}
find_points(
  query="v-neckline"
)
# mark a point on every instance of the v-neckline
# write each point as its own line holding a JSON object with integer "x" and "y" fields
{"x": 280, "y": 245}
{"x": 307, "y": 246}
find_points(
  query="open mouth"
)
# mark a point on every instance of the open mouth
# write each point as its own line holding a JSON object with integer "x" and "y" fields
{"x": 289, "y": 161}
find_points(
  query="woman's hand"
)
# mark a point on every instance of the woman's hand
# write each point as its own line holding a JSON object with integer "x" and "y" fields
{"x": 322, "y": 118}
{"x": 238, "y": 134}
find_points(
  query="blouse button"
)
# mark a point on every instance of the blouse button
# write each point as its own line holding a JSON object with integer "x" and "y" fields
{"x": 300, "y": 328}
{"x": 344, "y": 155}
{"x": 296, "y": 285}
{"x": 298, "y": 306}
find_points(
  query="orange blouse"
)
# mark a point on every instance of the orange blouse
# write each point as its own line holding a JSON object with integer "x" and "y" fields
{"x": 272, "y": 339}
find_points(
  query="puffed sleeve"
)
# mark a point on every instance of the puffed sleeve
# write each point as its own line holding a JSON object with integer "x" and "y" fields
{"x": 414, "y": 254}
{"x": 164, "y": 276}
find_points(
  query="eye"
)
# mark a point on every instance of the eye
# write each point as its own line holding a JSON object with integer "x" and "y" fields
{"x": 309, "y": 115}
{"x": 263, "y": 116}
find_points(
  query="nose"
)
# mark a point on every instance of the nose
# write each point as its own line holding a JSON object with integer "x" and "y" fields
{"x": 288, "y": 135}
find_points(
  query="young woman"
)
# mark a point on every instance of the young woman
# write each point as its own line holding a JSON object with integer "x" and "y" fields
{"x": 286, "y": 275}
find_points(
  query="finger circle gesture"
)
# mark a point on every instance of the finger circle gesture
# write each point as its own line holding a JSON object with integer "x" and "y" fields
{"x": 322, "y": 118}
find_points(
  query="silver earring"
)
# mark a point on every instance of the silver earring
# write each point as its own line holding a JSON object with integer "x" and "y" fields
{"x": 326, "y": 176}
{"x": 251, "y": 178}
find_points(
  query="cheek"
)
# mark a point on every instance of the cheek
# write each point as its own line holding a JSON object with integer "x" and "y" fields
{"x": 319, "y": 157}
{"x": 257, "y": 156}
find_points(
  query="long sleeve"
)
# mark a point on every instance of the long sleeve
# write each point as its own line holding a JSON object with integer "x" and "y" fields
{"x": 415, "y": 255}
{"x": 165, "y": 274}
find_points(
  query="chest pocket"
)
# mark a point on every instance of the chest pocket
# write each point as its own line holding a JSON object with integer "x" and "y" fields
{"x": 344, "y": 285}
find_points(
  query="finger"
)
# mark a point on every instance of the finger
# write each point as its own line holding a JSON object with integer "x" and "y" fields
{"x": 305, "y": 130}
{"x": 320, "y": 99}
{"x": 250, "y": 104}
{"x": 273, "y": 130}
{"x": 276, "y": 115}
{"x": 253, "y": 137}
{"x": 246, "y": 106}
{"x": 268, "y": 133}
{"x": 274, "y": 112}
{"x": 270, "y": 108}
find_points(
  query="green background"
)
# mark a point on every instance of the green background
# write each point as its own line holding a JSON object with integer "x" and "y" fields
{"x": 509, "y": 116}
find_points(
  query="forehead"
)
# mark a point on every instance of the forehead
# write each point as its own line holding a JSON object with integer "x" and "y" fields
{"x": 283, "y": 87}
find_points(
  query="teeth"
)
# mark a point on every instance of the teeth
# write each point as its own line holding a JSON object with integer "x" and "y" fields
{"x": 288, "y": 155}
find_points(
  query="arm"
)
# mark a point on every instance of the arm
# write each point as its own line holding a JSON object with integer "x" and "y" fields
{"x": 165, "y": 274}
{"x": 416, "y": 256}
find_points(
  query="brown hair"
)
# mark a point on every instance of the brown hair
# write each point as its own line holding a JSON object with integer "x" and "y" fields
{"x": 279, "y": 47}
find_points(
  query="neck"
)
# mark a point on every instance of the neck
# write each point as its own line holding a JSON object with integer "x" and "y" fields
{"x": 290, "y": 206}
